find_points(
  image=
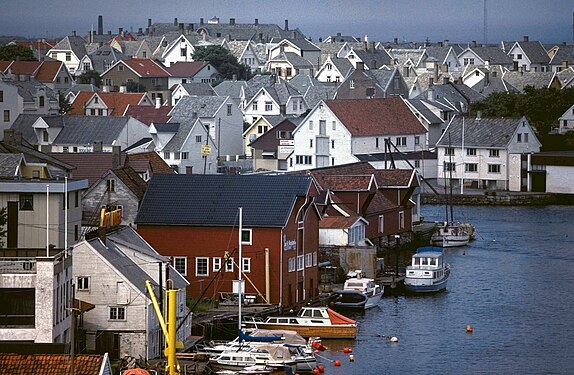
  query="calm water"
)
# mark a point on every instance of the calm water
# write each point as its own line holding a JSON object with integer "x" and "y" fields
{"x": 513, "y": 285}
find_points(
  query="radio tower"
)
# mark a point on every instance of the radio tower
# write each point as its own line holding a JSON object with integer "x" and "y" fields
{"x": 485, "y": 28}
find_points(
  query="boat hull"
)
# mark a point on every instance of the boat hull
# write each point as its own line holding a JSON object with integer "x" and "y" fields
{"x": 339, "y": 331}
{"x": 421, "y": 288}
{"x": 357, "y": 301}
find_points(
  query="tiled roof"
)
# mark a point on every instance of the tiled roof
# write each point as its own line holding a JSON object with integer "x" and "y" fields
{"x": 402, "y": 55}
{"x": 566, "y": 76}
{"x": 186, "y": 69}
{"x": 520, "y": 80}
{"x": 49, "y": 70}
{"x": 10, "y": 164}
{"x": 337, "y": 222}
{"x": 76, "y": 44}
{"x": 490, "y": 132}
{"x": 89, "y": 165}
{"x": 28, "y": 89}
{"x": 149, "y": 114}
{"x": 158, "y": 165}
{"x": 79, "y": 87}
{"x": 22, "y": 67}
{"x": 373, "y": 59}
{"x": 314, "y": 94}
{"x": 368, "y": 117}
{"x": 301, "y": 43}
{"x": 563, "y": 53}
{"x": 118, "y": 102}
{"x": 494, "y": 55}
{"x": 230, "y": 88}
{"x": 146, "y": 68}
{"x": 105, "y": 55}
{"x": 132, "y": 180}
{"x": 77, "y": 130}
{"x": 345, "y": 182}
{"x": 535, "y": 52}
{"x": 50, "y": 364}
{"x": 23, "y": 124}
{"x": 419, "y": 106}
{"x": 294, "y": 59}
{"x": 269, "y": 140}
{"x": 213, "y": 200}
{"x": 199, "y": 89}
{"x": 204, "y": 106}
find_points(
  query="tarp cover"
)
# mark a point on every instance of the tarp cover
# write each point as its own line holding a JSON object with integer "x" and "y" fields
{"x": 337, "y": 318}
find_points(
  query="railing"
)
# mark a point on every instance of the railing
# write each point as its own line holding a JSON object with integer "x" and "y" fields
{"x": 17, "y": 265}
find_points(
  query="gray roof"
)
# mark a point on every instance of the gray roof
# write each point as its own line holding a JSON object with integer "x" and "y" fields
{"x": 494, "y": 55}
{"x": 282, "y": 91}
{"x": 344, "y": 66}
{"x": 373, "y": 59}
{"x": 131, "y": 47}
{"x": 128, "y": 237}
{"x": 535, "y": 52}
{"x": 204, "y": 106}
{"x": 198, "y": 89}
{"x": 87, "y": 129}
{"x": 9, "y": 165}
{"x": 213, "y": 200}
{"x": 566, "y": 76}
{"x": 301, "y": 43}
{"x": 185, "y": 126}
{"x": 402, "y": 55}
{"x": 486, "y": 133}
{"x": 23, "y": 124}
{"x": 76, "y": 44}
{"x": 303, "y": 81}
{"x": 315, "y": 94}
{"x": 103, "y": 57}
{"x": 438, "y": 53}
{"x": 520, "y": 80}
{"x": 453, "y": 95}
{"x": 170, "y": 127}
{"x": 230, "y": 88}
{"x": 27, "y": 89}
{"x": 341, "y": 38}
{"x": 236, "y": 47}
{"x": 420, "y": 107}
{"x": 564, "y": 53}
{"x": 121, "y": 263}
{"x": 294, "y": 59}
{"x": 256, "y": 83}
{"x": 77, "y": 87}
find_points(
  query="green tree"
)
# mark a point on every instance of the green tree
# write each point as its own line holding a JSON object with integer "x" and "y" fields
{"x": 65, "y": 105}
{"x": 16, "y": 52}
{"x": 90, "y": 76}
{"x": 3, "y": 221}
{"x": 225, "y": 63}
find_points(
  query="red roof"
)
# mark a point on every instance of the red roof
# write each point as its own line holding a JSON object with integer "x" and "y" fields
{"x": 89, "y": 165}
{"x": 146, "y": 67}
{"x": 50, "y": 364}
{"x": 43, "y": 71}
{"x": 337, "y": 222}
{"x": 186, "y": 69}
{"x": 372, "y": 117}
{"x": 384, "y": 177}
{"x": 158, "y": 165}
{"x": 24, "y": 67}
{"x": 344, "y": 182}
{"x": 49, "y": 70}
{"x": 148, "y": 113}
{"x": 117, "y": 101}
{"x": 43, "y": 45}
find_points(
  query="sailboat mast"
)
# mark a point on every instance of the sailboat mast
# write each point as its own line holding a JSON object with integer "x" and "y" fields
{"x": 451, "y": 151}
{"x": 240, "y": 286}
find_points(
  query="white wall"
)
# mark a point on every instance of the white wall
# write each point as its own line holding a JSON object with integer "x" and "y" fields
{"x": 559, "y": 179}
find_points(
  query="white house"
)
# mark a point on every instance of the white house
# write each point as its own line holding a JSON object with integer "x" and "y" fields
{"x": 566, "y": 121}
{"x": 334, "y": 70}
{"x": 70, "y": 51}
{"x": 274, "y": 100}
{"x": 111, "y": 274}
{"x": 485, "y": 153}
{"x": 530, "y": 56}
{"x": 336, "y": 131}
{"x": 180, "y": 49}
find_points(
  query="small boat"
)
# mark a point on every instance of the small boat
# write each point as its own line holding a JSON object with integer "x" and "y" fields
{"x": 278, "y": 357}
{"x": 428, "y": 272}
{"x": 250, "y": 370}
{"x": 451, "y": 235}
{"x": 312, "y": 322}
{"x": 359, "y": 292}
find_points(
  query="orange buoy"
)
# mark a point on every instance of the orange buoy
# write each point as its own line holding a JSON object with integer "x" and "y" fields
{"x": 347, "y": 350}
{"x": 469, "y": 328}
{"x": 337, "y": 362}
{"x": 316, "y": 351}
{"x": 315, "y": 371}
{"x": 321, "y": 368}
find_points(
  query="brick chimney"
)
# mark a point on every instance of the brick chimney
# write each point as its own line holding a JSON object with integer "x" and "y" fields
{"x": 526, "y": 38}
{"x": 175, "y": 21}
{"x": 100, "y": 25}
{"x": 257, "y": 21}
{"x": 232, "y": 21}
{"x": 116, "y": 156}
{"x": 149, "y": 22}
{"x": 360, "y": 65}
{"x": 286, "y": 24}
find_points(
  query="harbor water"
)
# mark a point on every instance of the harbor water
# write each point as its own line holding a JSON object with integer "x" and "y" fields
{"x": 513, "y": 285}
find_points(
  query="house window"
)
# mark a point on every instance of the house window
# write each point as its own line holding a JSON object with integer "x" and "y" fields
{"x": 303, "y": 159}
{"x": 6, "y": 115}
{"x": 108, "y": 82}
{"x": 246, "y": 236}
{"x": 352, "y": 84}
{"x": 300, "y": 262}
{"x": 216, "y": 264}
{"x": 291, "y": 265}
{"x": 401, "y": 219}
{"x": 110, "y": 185}
{"x": 184, "y": 155}
{"x": 144, "y": 54}
{"x": 332, "y": 143}
{"x": 396, "y": 83}
{"x": 83, "y": 283}
{"x": 308, "y": 260}
{"x": 93, "y": 112}
{"x": 176, "y": 155}
{"x": 519, "y": 137}
{"x": 180, "y": 265}
{"x": 76, "y": 199}
{"x": 449, "y": 151}
{"x": 525, "y": 137}
{"x": 294, "y": 105}
{"x": 100, "y": 112}
{"x": 334, "y": 125}
{"x": 26, "y": 202}
{"x": 329, "y": 66}
{"x": 401, "y": 141}
{"x": 449, "y": 167}
{"x": 261, "y": 129}
{"x": 198, "y": 139}
{"x": 417, "y": 140}
{"x": 281, "y": 134}
{"x": 229, "y": 264}
{"x": 310, "y": 143}
{"x": 493, "y": 153}
{"x": 289, "y": 72}
{"x": 183, "y": 52}
{"x": 246, "y": 264}
{"x": 1, "y": 96}
{"x": 76, "y": 232}
{"x": 519, "y": 56}
{"x": 376, "y": 142}
{"x": 68, "y": 56}
{"x": 45, "y": 136}
{"x": 166, "y": 155}
{"x": 471, "y": 152}
{"x": 417, "y": 163}
{"x": 311, "y": 125}
{"x": 201, "y": 266}
{"x": 117, "y": 313}
{"x": 268, "y": 106}
{"x": 254, "y": 106}
{"x": 41, "y": 99}
{"x": 86, "y": 66}
{"x": 120, "y": 68}
{"x": 493, "y": 168}
{"x": 314, "y": 258}
{"x": 471, "y": 167}
{"x": 229, "y": 112}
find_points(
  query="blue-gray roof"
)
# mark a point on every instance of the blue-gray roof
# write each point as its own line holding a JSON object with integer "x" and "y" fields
{"x": 9, "y": 165}
{"x": 213, "y": 200}
{"x": 489, "y": 132}
{"x": 86, "y": 129}
{"x": 23, "y": 124}
{"x": 204, "y": 106}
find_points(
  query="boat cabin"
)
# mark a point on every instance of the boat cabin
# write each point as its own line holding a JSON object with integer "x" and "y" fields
{"x": 427, "y": 260}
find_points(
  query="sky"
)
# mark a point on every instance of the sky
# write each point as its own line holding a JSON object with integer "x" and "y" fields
{"x": 461, "y": 21}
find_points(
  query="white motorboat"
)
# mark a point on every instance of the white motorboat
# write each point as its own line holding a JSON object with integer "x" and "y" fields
{"x": 428, "y": 272}
{"x": 358, "y": 292}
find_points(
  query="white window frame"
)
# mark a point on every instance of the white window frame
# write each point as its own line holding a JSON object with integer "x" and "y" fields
{"x": 291, "y": 264}
{"x": 229, "y": 264}
{"x": 314, "y": 258}
{"x": 250, "y": 240}
{"x": 197, "y": 260}
{"x": 83, "y": 283}
{"x": 216, "y": 264}
{"x": 175, "y": 266}
{"x": 246, "y": 265}
{"x": 308, "y": 260}
{"x": 300, "y": 262}
{"x": 401, "y": 219}
{"x": 381, "y": 223}
{"x": 114, "y": 313}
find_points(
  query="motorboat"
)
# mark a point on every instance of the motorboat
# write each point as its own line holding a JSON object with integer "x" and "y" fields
{"x": 312, "y": 322}
{"x": 279, "y": 357}
{"x": 451, "y": 235}
{"x": 358, "y": 292}
{"x": 428, "y": 272}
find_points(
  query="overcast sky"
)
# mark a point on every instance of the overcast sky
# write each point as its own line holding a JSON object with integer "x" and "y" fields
{"x": 549, "y": 21}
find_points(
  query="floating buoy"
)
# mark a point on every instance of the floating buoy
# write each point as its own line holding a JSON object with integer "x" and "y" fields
{"x": 469, "y": 328}
{"x": 321, "y": 368}
{"x": 315, "y": 371}
{"x": 316, "y": 351}
{"x": 337, "y": 362}
{"x": 347, "y": 350}
{"x": 394, "y": 339}
{"x": 352, "y": 358}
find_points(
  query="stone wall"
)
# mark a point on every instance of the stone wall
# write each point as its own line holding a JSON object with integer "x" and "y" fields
{"x": 502, "y": 198}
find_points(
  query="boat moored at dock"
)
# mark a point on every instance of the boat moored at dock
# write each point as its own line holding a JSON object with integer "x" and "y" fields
{"x": 358, "y": 293}
{"x": 428, "y": 272}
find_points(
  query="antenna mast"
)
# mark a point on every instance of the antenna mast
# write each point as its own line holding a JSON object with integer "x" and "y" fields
{"x": 485, "y": 24}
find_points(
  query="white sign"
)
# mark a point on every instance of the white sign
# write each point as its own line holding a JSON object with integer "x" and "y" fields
{"x": 287, "y": 142}
{"x": 286, "y": 149}
{"x": 236, "y": 286}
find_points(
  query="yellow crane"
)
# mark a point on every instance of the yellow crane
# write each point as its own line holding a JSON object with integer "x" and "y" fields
{"x": 168, "y": 329}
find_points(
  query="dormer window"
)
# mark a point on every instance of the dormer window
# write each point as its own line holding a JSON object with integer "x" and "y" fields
{"x": 96, "y": 100}
{"x": 45, "y": 136}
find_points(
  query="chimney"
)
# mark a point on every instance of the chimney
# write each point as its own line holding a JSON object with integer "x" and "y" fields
{"x": 526, "y": 38}
{"x": 360, "y": 65}
{"x": 149, "y": 22}
{"x": 140, "y": 31}
{"x": 181, "y": 27}
{"x": 486, "y": 78}
{"x": 440, "y": 44}
{"x": 396, "y": 41}
{"x": 232, "y": 21}
{"x": 191, "y": 26}
{"x": 445, "y": 43}
{"x": 175, "y": 21}
{"x": 473, "y": 43}
{"x": 261, "y": 37}
{"x": 74, "y": 33}
{"x": 201, "y": 21}
{"x": 286, "y": 24}
{"x": 373, "y": 46}
{"x": 116, "y": 156}
{"x": 445, "y": 80}
{"x": 123, "y": 89}
{"x": 564, "y": 64}
{"x": 294, "y": 34}
{"x": 157, "y": 102}
{"x": 100, "y": 25}
{"x": 338, "y": 34}
{"x": 257, "y": 21}
{"x": 120, "y": 30}
{"x": 444, "y": 68}
{"x": 366, "y": 44}
{"x": 109, "y": 32}
{"x": 435, "y": 71}
{"x": 97, "y": 146}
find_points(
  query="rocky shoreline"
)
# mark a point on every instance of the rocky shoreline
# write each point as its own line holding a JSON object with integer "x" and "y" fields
{"x": 503, "y": 198}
